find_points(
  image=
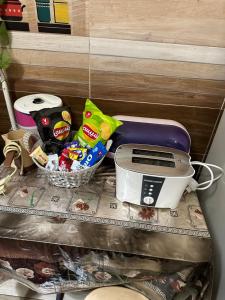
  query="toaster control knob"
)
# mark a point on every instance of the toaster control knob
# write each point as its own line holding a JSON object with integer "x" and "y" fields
{"x": 148, "y": 200}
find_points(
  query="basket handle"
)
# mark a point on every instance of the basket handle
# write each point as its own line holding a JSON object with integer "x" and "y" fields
{"x": 37, "y": 163}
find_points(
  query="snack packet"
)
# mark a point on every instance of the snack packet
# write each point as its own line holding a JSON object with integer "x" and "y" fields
{"x": 54, "y": 124}
{"x": 40, "y": 156}
{"x": 81, "y": 152}
{"x": 53, "y": 162}
{"x": 94, "y": 155}
{"x": 73, "y": 144}
{"x": 96, "y": 126}
{"x": 64, "y": 161}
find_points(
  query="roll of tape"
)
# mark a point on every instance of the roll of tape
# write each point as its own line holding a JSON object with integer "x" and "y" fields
{"x": 35, "y": 102}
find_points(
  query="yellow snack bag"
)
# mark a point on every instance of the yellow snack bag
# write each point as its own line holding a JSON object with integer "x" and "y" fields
{"x": 96, "y": 126}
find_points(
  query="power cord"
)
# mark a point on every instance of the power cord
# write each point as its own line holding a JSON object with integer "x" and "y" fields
{"x": 195, "y": 186}
{"x": 12, "y": 146}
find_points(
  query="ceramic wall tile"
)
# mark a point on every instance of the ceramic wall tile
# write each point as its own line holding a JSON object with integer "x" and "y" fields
{"x": 156, "y": 89}
{"x": 146, "y": 58}
{"x": 160, "y": 21}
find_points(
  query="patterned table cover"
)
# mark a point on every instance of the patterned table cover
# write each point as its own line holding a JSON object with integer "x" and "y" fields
{"x": 94, "y": 208}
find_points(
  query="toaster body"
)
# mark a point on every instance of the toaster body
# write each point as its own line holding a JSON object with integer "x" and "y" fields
{"x": 152, "y": 176}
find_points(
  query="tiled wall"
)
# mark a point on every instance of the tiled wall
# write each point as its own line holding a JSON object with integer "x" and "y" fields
{"x": 162, "y": 59}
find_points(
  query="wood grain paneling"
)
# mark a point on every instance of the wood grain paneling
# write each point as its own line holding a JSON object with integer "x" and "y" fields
{"x": 198, "y": 121}
{"x": 119, "y": 47}
{"x": 122, "y": 65}
{"x": 79, "y": 17}
{"x": 49, "y": 59}
{"x": 157, "y": 89}
{"x": 49, "y": 42}
{"x": 77, "y": 89}
{"x": 148, "y": 81}
{"x": 153, "y": 96}
{"x": 31, "y": 11}
{"x": 69, "y": 75}
{"x": 107, "y": 85}
{"x": 158, "y": 67}
{"x": 153, "y": 50}
{"x": 146, "y": 58}
{"x": 174, "y": 21}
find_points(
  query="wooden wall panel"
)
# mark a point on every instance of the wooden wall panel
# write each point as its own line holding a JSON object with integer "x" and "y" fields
{"x": 174, "y": 21}
{"x": 48, "y": 59}
{"x": 49, "y": 42}
{"x": 153, "y": 50}
{"x": 42, "y": 86}
{"x": 30, "y": 10}
{"x": 170, "y": 68}
{"x": 79, "y": 17}
{"x": 16, "y": 72}
{"x": 199, "y": 121}
{"x": 146, "y": 58}
{"x": 157, "y": 82}
{"x": 196, "y": 120}
{"x": 152, "y": 96}
{"x": 178, "y": 69}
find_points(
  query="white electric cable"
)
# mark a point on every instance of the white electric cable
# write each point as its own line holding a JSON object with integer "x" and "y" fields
{"x": 198, "y": 163}
{"x": 215, "y": 178}
{"x": 218, "y": 176}
{"x": 12, "y": 146}
{"x": 194, "y": 185}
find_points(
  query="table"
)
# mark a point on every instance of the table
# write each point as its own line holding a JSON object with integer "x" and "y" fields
{"x": 92, "y": 217}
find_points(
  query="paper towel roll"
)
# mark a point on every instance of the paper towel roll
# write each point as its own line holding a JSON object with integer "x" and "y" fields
{"x": 23, "y": 106}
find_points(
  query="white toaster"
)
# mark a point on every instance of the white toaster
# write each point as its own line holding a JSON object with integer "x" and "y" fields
{"x": 152, "y": 175}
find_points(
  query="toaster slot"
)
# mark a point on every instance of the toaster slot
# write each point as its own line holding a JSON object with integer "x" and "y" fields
{"x": 153, "y": 153}
{"x": 153, "y": 162}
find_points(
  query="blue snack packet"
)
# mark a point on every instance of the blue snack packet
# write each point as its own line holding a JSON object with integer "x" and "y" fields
{"x": 94, "y": 155}
{"x": 73, "y": 144}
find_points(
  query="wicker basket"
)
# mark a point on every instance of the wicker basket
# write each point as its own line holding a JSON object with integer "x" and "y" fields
{"x": 69, "y": 179}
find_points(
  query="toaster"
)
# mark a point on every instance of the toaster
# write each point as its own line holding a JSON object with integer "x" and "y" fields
{"x": 149, "y": 175}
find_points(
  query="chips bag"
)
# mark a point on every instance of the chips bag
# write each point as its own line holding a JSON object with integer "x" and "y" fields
{"x": 96, "y": 126}
{"x": 54, "y": 124}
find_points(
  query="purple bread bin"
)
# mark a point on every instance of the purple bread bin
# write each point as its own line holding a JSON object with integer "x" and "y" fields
{"x": 160, "y": 132}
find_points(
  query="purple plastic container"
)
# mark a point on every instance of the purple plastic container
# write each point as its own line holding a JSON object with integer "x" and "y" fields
{"x": 150, "y": 131}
